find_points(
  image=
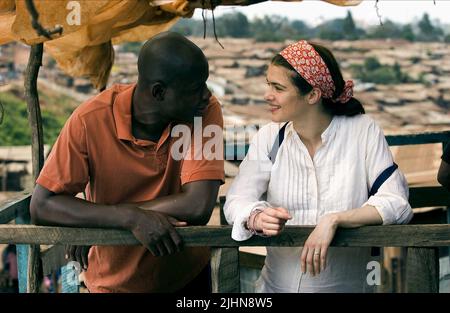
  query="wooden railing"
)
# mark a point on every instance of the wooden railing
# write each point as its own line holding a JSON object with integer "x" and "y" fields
{"x": 422, "y": 241}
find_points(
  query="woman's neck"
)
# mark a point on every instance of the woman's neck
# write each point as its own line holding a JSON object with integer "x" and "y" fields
{"x": 310, "y": 127}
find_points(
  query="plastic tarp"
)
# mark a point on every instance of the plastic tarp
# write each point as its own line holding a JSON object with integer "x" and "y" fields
{"x": 91, "y": 27}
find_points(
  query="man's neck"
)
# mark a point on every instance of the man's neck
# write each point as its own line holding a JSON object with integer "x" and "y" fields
{"x": 153, "y": 128}
{"x": 151, "y": 132}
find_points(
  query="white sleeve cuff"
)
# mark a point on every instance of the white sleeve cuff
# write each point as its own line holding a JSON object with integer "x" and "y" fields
{"x": 386, "y": 216}
{"x": 400, "y": 213}
{"x": 239, "y": 231}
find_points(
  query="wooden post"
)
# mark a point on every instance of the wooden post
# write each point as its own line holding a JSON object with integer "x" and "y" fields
{"x": 422, "y": 270}
{"x": 34, "y": 111}
{"x": 37, "y": 147}
{"x": 225, "y": 270}
{"x": 4, "y": 176}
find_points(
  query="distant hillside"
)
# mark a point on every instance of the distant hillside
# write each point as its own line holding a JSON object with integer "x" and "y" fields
{"x": 55, "y": 109}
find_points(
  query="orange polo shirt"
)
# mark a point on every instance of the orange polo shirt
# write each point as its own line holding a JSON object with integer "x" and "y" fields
{"x": 97, "y": 153}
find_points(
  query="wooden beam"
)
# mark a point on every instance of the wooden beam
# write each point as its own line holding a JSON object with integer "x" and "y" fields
{"x": 53, "y": 259}
{"x": 422, "y": 270}
{"x": 420, "y": 197}
{"x": 220, "y": 236}
{"x": 225, "y": 270}
{"x": 251, "y": 260}
{"x": 231, "y": 150}
{"x": 37, "y": 146}
{"x": 13, "y": 207}
{"x": 34, "y": 111}
{"x": 418, "y": 139}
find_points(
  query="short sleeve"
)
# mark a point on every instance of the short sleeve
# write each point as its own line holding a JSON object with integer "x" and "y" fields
{"x": 66, "y": 169}
{"x": 205, "y": 161}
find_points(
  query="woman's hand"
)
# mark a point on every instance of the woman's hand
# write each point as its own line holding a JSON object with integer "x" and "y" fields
{"x": 314, "y": 252}
{"x": 271, "y": 221}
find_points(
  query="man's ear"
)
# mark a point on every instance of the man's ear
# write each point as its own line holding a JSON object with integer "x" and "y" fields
{"x": 158, "y": 91}
{"x": 314, "y": 95}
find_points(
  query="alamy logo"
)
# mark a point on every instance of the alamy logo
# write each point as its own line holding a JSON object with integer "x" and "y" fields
{"x": 74, "y": 16}
{"x": 374, "y": 276}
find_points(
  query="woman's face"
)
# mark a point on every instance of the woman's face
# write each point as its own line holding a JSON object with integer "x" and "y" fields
{"x": 284, "y": 99}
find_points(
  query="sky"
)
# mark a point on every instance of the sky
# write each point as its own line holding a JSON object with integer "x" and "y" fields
{"x": 314, "y": 11}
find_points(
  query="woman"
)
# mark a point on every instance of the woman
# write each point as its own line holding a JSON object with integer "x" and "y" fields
{"x": 320, "y": 175}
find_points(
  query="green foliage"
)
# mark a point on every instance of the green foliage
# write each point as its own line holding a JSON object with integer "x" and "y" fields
{"x": 276, "y": 28}
{"x": 134, "y": 47}
{"x": 374, "y": 72}
{"x": 15, "y": 130}
{"x": 371, "y": 64}
{"x": 234, "y": 24}
{"x": 389, "y": 29}
{"x": 263, "y": 28}
{"x": 428, "y": 31}
{"x": 408, "y": 33}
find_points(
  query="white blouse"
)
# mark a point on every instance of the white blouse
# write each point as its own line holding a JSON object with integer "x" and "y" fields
{"x": 354, "y": 152}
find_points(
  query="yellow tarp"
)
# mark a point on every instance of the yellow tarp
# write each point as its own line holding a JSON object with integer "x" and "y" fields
{"x": 90, "y": 27}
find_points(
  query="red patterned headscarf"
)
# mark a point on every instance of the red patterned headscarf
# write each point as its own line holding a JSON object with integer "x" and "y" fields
{"x": 309, "y": 64}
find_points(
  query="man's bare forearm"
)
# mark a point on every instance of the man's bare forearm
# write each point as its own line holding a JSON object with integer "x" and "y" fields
{"x": 57, "y": 209}
{"x": 189, "y": 206}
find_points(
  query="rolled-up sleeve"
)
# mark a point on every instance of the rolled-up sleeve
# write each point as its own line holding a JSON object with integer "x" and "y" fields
{"x": 391, "y": 200}
{"x": 249, "y": 185}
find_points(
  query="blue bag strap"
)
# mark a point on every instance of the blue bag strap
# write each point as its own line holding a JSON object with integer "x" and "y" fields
{"x": 277, "y": 143}
{"x": 382, "y": 178}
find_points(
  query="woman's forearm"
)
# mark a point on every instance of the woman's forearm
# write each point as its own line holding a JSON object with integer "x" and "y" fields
{"x": 366, "y": 215}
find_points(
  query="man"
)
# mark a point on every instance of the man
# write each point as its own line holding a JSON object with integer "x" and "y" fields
{"x": 117, "y": 148}
{"x": 444, "y": 170}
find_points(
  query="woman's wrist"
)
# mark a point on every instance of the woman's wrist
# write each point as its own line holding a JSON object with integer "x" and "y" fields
{"x": 252, "y": 221}
{"x": 334, "y": 219}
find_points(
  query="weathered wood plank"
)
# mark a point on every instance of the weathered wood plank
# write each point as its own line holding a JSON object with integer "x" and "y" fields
{"x": 422, "y": 270}
{"x": 37, "y": 145}
{"x": 14, "y": 207}
{"x": 368, "y": 236}
{"x": 420, "y": 197}
{"x": 418, "y": 139}
{"x": 34, "y": 272}
{"x": 223, "y": 220}
{"x": 236, "y": 152}
{"x": 225, "y": 270}
{"x": 22, "y": 256}
{"x": 251, "y": 260}
{"x": 53, "y": 259}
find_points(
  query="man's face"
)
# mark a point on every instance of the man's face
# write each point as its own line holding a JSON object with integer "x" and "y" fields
{"x": 187, "y": 97}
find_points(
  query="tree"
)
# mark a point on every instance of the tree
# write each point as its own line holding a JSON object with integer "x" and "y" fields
{"x": 349, "y": 27}
{"x": 331, "y": 30}
{"x": 389, "y": 29}
{"x": 371, "y": 64}
{"x": 265, "y": 29}
{"x": 233, "y": 25}
{"x": 425, "y": 25}
{"x": 408, "y": 33}
{"x": 429, "y": 32}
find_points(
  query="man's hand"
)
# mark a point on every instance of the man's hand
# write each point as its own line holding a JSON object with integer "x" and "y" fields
{"x": 80, "y": 253}
{"x": 271, "y": 221}
{"x": 156, "y": 232}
